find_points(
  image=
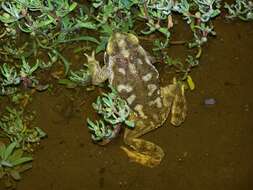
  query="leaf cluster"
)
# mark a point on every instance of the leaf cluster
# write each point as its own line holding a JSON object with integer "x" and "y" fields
{"x": 243, "y": 9}
{"x": 12, "y": 163}
{"x": 15, "y": 127}
{"x": 114, "y": 110}
{"x": 11, "y": 76}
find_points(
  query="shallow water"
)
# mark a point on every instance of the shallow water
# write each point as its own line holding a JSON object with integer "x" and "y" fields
{"x": 211, "y": 150}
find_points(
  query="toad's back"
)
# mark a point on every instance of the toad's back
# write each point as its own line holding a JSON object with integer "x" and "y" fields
{"x": 134, "y": 77}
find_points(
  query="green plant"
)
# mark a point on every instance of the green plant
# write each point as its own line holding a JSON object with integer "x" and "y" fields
{"x": 183, "y": 69}
{"x": 99, "y": 131}
{"x": 114, "y": 111}
{"x": 16, "y": 128}
{"x": 81, "y": 77}
{"x": 198, "y": 14}
{"x": 12, "y": 163}
{"x": 113, "y": 108}
{"x": 208, "y": 9}
{"x": 242, "y": 9}
{"x": 112, "y": 16}
{"x": 9, "y": 74}
{"x": 27, "y": 70}
{"x": 13, "y": 12}
{"x": 49, "y": 22}
{"x": 9, "y": 80}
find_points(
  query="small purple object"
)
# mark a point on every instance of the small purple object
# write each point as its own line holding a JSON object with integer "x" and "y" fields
{"x": 210, "y": 101}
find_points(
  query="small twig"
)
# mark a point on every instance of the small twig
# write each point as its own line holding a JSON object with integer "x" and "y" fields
{"x": 146, "y": 10}
{"x": 178, "y": 42}
{"x": 174, "y": 42}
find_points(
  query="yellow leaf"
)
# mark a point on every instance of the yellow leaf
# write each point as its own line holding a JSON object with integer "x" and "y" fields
{"x": 190, "y": 82}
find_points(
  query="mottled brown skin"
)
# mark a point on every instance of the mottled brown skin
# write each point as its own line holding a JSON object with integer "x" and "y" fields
{"x": 131, "y": 73}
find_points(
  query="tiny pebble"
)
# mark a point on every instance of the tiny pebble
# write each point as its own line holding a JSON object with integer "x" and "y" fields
{"x": 210, "y": 101}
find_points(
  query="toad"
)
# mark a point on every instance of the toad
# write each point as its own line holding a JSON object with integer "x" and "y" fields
{"x": 129, "y": 69}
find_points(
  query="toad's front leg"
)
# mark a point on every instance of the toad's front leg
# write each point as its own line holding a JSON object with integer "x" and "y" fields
{"x": 98, "y": 74}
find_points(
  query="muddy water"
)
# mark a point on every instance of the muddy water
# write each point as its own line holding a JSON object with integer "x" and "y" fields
{"x": 211, "y": 150}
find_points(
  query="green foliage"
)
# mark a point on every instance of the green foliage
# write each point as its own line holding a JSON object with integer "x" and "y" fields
{"x": 18, "y": 9}
{"x": 9, "y": 74}
{"x": 198, "y": 15}
{"x": 242, "y": 9}
{"x": 13, "y": 12}
{"x": 98, "y": 130}
{"x": 160, "y": 9}
{"x": 81, "y": 77}
{"x": 183, "y": 69}
{"x": 49, "y": 23}
{"x": 112, "y": 16}
{"x": 11, "y": 77}
{"x": 205, "y": 9}
{"x": 16, "y": 128}
{"x": 11, "y": 157}
{"x": 114, "y": 111}
{"x": 113, "y": 108}
{"x": 27, "y": 70}
{"x": 208, "y": 9}
{"x": 54, "y": 23}
{"x": 12, "y": 163}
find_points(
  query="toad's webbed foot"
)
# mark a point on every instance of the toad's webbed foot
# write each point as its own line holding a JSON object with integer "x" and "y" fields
{"x": 144, "y": 152}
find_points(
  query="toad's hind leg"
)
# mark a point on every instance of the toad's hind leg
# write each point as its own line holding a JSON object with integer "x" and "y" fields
{"x": 174, "y": 99}
{"x": 148, "y": 153}
{"x": 143, "y": 152}
{"x": 179, "y": 107}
